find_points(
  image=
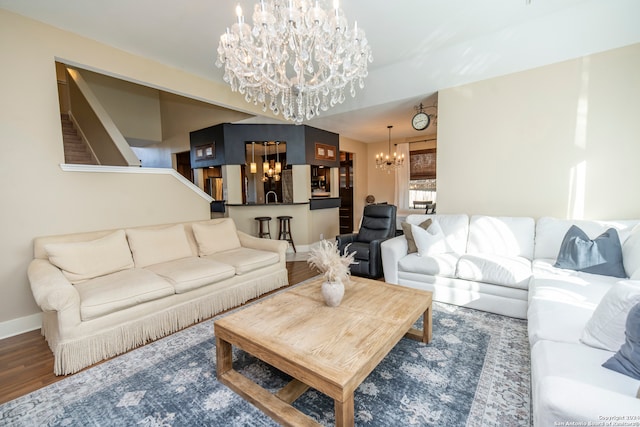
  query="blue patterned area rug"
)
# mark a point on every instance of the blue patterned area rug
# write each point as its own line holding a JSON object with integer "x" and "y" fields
{"x": 475, "y": 372}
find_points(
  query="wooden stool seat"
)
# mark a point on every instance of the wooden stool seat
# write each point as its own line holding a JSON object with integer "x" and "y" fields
{"x": 284, "y": 232}
{"x": 264, "y": 227}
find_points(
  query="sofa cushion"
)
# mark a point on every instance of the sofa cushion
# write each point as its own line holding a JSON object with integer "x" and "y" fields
{"x": 80, "y": 261}
{"x": 360, "y": 250}
{"x": 216, "y": 236}
{"x": 245, "y": 260}
{"x": 578, "y": 362}
{"x": 190, "y": 273}
{"x": 550, "y": 232}
{"x": 562, "y": 297}
{"x": 435, "y": 265}
{"x": 120, "y": 290}
{"x": 155, "y": 245}
{"x": 627, "y": 359}
{"x": 606, "y": 327}
{"x": 431, "y": 241}
{"x": 514, "y": 272}
{"x": 506, "y": 236}
{"x": 408, "y": 234}
{"x": 570, "y": 384}
{"x": 602, "y": 255}
{"x": 454, "y": 227}
{"x": 631, "y": 254}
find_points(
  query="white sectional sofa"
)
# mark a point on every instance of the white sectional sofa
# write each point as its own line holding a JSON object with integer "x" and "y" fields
{"x": 506, "y": 266}
{"x": 487, "y": 265}
{"x": 105, "y": 292}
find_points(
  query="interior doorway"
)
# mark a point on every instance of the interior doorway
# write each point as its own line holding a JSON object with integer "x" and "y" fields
{"x": 346, "y": 192}
{"x": 183, "y": 165}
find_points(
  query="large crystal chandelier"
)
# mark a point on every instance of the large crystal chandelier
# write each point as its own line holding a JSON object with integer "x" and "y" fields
{"x": 297, "y": 59}
{"x": 389, "y": 162}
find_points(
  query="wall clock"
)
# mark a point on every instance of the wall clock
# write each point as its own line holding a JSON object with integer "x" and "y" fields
{"x": 420, "y": 121}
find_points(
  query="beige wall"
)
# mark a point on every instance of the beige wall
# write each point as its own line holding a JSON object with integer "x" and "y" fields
{"x": 561, "y": 140}
{"x": 38, "y": 198}
{"x": 135, "y": 109}
{"x": 381, "y": 183}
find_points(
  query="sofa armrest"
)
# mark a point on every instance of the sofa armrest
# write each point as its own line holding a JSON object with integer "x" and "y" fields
{"x": 54, "y": 294}
{"x": 51, "y": 289}
{"x": 392, "y": 251}
{"x": 278, "y": 246}
{"x": 344, "y": 239}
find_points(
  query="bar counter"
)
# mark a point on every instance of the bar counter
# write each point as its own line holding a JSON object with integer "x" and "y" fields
{"x": 315, "y": 219}
{"x": 314, "y": 203}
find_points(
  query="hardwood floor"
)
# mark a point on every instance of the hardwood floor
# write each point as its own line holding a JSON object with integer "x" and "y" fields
{"x": 26, "y": 363}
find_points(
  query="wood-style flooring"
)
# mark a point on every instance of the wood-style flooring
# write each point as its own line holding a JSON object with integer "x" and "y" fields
{"x": 26, "y": 362}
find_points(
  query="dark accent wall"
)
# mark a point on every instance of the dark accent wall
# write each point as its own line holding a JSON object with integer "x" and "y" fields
{"x": 230, "y": 143}
{"x": 313, "y": 136}
{"x": 204, "y": 137}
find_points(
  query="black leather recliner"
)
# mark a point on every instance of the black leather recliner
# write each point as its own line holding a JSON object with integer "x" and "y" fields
{"x": 378, "y": 225}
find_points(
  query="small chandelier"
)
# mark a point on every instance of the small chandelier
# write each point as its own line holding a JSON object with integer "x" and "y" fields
{"x": 297, "y": 59}
{"x": 388, "y": 162}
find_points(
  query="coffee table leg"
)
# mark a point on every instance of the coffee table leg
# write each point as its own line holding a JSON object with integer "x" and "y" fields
{"x": 344, "y": 412}
{"x": 425, "y": 334}
{"x": 427, "y": 326}
{"x": 224, "y": 357}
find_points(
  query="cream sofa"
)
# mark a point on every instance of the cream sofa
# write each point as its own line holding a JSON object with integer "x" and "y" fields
{"x": 575, "y": 319}
{"x": 103, "y": 293}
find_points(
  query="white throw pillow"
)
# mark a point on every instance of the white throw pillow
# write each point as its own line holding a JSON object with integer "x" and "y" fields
{"x": 153, "y": 246}
{"x": 80, "y": 261}
{"x": 606, "y": 327}
{"x": 631, "y": 254}
{"x": 430, "y": 241}
{"x": 214, "y": 237}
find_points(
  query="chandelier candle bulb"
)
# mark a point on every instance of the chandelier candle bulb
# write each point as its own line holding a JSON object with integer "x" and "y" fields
{"x": 239, "y": 14}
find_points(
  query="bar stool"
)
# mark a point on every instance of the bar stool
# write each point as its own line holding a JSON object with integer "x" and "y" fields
{"x": 284, "y": 232}
{"x": 265, "y": 231}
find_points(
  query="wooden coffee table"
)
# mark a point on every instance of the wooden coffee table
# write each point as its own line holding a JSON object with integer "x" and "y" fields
{"x": 331, "y": 349}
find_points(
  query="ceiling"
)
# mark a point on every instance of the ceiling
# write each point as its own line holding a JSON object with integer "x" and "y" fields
{"x": 419, "y": 46}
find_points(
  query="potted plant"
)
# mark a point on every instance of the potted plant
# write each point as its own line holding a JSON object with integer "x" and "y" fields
{"x": 334, "y": 267}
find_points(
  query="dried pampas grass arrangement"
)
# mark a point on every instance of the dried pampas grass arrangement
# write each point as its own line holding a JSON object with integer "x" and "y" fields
{"x": 326, "y": 258}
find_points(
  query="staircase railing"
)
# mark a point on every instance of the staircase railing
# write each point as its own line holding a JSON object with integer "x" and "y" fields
{"x": 106, "y": 141}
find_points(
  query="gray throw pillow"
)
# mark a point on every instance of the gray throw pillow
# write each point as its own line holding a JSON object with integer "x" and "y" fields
{"x": 406, "y": 229}
{"x": 627, "y": 359}
{"x": 602, "y": 255}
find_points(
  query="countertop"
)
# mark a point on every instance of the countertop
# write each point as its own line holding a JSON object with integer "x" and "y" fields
{"x": 268, "y": 204}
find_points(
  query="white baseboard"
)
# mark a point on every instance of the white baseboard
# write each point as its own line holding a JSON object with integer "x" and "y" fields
{"x": 299, "y": 248}
{"x": 20, "y": 325}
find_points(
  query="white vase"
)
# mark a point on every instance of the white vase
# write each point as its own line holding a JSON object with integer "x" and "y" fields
{"x": 332, "y": 293}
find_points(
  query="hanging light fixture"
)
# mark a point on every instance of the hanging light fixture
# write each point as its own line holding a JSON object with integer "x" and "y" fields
{"x": 265, "y": 163}
{"x": 270, "y": 170}
{"x": 278, "y": 164}
{"x": 297, "y": 59}
{"x": 253, "y": 167}
{"x": 388, "y": 162}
